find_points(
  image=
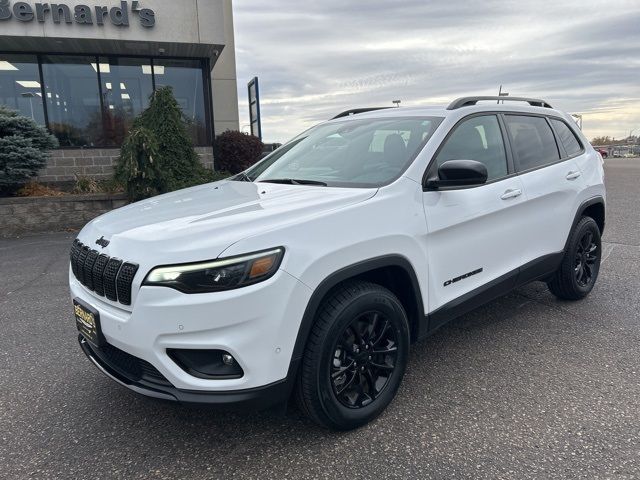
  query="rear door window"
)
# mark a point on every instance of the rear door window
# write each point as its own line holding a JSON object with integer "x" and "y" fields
{"x": 534, "y": 144}
{"x": 569, "y": 140}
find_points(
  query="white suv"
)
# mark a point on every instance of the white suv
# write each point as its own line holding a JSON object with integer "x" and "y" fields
{"x": 312, "y": 272}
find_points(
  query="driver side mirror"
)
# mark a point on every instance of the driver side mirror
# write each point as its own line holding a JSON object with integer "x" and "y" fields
{"x": 458, "y": 173}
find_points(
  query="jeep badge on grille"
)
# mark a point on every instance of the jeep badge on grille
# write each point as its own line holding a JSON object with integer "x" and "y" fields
{"x": 102, "y": 242}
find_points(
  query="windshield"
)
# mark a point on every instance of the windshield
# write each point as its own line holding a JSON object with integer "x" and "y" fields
{"x": 353, "y": 153}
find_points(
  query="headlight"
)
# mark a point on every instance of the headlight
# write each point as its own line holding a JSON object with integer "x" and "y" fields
{"x": 218, "y": 275}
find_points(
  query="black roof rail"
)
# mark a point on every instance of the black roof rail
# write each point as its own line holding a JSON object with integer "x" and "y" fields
{"x": 468, "y": 101}
{"x": 355, "y": 111}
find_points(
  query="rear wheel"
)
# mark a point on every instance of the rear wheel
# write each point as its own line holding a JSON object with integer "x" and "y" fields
{"x": 355, "y": 356}
{"x": 581, "y": 263}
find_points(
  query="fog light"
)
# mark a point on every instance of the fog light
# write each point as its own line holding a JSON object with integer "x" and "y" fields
{"x": 202, "y": 363}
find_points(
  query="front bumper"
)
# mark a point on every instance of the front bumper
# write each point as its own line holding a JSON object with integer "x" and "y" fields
{"x": 257, "y": 324}
{"x": 157, "y": 387}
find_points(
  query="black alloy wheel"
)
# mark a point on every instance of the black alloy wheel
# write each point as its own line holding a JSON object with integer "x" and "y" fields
{"x": 355, "y": 356}
{"x": 364, "y": 360}
{"x": 587, "y": 254}
{"x": 578, "y": 271}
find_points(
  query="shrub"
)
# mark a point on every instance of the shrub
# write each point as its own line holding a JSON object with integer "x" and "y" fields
{"x": 137, "y": 167}
{"x": 236, "y": 151}
{"x": 35, "y": 189}
{"x": 24, "y": 147}
{"x": 218, "y": 175}
{"x": 157, "y": 155}
{"x": 85, "y": 184}
{"x": 110, "y": 185}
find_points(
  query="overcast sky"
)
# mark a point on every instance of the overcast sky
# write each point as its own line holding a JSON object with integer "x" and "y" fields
{"x": 317, "y": 58}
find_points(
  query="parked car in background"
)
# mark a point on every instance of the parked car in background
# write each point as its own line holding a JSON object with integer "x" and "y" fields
{"x": 269, "y": 148}
{"x": 604, "y": 153}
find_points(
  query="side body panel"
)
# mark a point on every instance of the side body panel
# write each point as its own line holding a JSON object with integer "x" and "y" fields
{"x": 389, "y": 225}
{"x": 472, "y": 229}
{"x": 552, "y": 198}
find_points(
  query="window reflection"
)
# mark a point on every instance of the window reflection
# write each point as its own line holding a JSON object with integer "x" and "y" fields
{"x": 73, "y": 100}
{"x": 20, "y": 85}
{"x": 125, "y": 94}
{"x": 185, "y": 77}
{"x": 92, "y": 101}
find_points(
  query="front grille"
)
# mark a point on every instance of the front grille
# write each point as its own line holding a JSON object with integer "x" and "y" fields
{"x": 123, "y": 282}
{"x": 88, "y": 268}
{"x": 98, "y": 272}
{"x": 132, "y": 367}
{"x": 108, "y": 277}
{"x": 82, "y": 256}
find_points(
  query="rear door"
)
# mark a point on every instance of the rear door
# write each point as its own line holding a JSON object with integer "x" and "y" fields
{"x": 551, "y": 180}
{"x": 475, "y": 235}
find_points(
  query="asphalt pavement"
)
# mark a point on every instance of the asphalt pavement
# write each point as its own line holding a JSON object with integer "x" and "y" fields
{"x": 524, "y": 387}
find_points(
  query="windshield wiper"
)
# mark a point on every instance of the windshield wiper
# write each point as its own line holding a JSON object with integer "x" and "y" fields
{"x": 242, "y": 177}
{"x": 294, "y": 181}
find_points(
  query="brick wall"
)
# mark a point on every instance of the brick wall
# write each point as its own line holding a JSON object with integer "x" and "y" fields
{"x": 64, "y": 164}
{"x": 19, "y": 215}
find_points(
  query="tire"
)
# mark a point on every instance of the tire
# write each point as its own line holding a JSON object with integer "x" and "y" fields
{"x": 342, "y": 384}
{"x": 580, "y": 261}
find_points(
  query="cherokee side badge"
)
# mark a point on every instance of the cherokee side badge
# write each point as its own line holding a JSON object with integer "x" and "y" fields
{"x": 462, "y": 277}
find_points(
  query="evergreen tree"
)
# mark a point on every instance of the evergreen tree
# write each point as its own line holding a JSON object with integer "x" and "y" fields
{"x": 24, "y": 147}
{"x": 137, "y": 166}
{"x": 157, "y": 155}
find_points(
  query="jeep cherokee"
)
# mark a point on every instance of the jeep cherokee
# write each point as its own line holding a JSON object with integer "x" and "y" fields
{"x": 311, "y": 273}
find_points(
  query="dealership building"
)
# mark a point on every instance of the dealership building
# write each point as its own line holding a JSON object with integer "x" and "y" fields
{"x": 86, "y": 69}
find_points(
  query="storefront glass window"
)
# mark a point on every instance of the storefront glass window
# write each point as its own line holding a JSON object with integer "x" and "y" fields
{"x": 125, "y": 94}
{"x": 92, "y": 101}
{"x": 185, "y": 77}
{"x": 20, "y": 87}
{"x": 73, "y": 100}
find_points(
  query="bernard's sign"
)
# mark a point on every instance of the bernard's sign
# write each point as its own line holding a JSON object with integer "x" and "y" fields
{"x": 81, "y": 14}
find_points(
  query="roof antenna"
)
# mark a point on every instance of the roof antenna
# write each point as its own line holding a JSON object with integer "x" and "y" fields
{"x": 396, "y": 102}
{"x": 502, "y": 94}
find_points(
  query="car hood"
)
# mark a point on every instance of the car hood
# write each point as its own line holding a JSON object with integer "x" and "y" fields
{"x": 201, "y": 222}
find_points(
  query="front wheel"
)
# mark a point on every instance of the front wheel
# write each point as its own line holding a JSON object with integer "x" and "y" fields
{"x": 581, "y": 263}
{"x": 355, "y": 357}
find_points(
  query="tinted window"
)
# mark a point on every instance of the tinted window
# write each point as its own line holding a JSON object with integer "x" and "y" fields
{"x": 349, "y": 153}
{"x": 20, "y": 87}
{"x": 126, "y": 88}
{"x": 480, "y": 139}
{"x": 185, "y": 78}
{"x": 83, "y": 112}
{"x": 533, "y": 142}
{"x": 567, "y": 137}
{"x": 73, "y": 99}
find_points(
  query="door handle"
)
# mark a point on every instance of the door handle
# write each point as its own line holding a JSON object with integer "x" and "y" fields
{"x": 511, "y": 193}
{"x": 573, "y": 175}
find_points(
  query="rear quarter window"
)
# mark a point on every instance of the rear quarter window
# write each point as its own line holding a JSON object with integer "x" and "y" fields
{"x": 569, "y": 140}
